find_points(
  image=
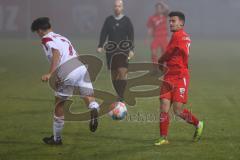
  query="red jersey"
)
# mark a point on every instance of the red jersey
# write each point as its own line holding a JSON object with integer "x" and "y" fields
{"x": 177, "y": 63}
{"x": 158, "y": 23}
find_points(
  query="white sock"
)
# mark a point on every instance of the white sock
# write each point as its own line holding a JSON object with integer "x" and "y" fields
{"x": 58, "y": 124}
{"x": 93, "y": 105}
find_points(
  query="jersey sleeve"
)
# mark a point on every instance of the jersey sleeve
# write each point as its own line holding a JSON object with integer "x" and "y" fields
{"x": 49, "y": 44}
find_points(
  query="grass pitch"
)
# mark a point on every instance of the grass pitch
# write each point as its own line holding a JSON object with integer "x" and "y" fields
{"x": 26, "y": 107}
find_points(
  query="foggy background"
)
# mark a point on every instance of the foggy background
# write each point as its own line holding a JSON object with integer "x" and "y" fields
{"x": 84, "y": 18}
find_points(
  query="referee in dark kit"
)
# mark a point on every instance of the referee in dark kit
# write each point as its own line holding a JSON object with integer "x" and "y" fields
{"x": 117, "y": 39}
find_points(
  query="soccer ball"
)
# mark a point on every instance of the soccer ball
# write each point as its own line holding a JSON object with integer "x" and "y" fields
{"x": 118, "y": 111}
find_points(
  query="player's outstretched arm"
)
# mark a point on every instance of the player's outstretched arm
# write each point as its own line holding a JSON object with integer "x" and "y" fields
{"x": 131, "y": 38}
{"x": 103, "y": 37}
{"x": 54, "y": 64}
{"x": 131, "y": 32}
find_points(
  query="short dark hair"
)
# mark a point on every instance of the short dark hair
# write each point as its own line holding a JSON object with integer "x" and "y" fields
{"x": 179, "y": 14}
{"x": 42, "y": 23}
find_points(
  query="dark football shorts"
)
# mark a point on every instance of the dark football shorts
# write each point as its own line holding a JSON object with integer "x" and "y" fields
{"x": 117, "y": 60}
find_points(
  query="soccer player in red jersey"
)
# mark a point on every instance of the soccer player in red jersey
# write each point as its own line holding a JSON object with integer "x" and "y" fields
{"x": 157, "y": 29}
{"x": 176, "y": 60}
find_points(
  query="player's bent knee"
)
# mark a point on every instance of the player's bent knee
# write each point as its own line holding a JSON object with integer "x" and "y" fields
{"x": 177, "y": 111}
{"x": 165, "y": 105}
{"x": 122, "y": 73}
{"x": 164, "y": 108}
{"x": 177, "y": 108}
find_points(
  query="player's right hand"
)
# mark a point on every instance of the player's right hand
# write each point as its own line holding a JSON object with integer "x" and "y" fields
{"x": 45, "y": 77}
{"x": 100, "y": 50}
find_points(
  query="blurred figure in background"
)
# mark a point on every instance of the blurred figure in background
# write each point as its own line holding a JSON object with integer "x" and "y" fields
{"x": 117, "y": 38}
{"x": 157, "y": 29}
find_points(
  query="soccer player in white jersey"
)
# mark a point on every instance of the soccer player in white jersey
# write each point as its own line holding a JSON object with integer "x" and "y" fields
{"x": 60, "y": 51}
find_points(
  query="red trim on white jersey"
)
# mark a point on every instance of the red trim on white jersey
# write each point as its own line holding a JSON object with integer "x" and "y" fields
{"x": 45, "y": 40}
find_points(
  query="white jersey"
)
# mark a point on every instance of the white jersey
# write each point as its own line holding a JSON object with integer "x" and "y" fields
{"x": 62, "y": 44}
{"x": 71, "y": 71}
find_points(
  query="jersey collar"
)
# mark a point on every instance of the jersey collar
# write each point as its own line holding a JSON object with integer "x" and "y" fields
{"x": 50, "y": 33}
{"x": 118, "y": 17}
{"x": 179, "y": 31}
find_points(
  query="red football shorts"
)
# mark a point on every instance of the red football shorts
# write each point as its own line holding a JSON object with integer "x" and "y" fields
{"x": 175, "y": 89}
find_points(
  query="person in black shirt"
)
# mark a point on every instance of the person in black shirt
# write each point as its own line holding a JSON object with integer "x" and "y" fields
{"x": 117, "y": 39}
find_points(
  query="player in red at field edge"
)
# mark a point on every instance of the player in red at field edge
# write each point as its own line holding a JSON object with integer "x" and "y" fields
{"x": 176, "y": 59}
{"x": 157, "y": 29}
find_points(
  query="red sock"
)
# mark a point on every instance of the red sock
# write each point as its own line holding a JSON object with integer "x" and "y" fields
{"x": 164, "y": 123}
{"x": 189, "y": 117}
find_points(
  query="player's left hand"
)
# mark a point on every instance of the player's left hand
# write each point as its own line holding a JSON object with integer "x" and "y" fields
{"x": 100, "y": 50}
{"x": 161, "y": 67}
{"x": 46, "y": 77}
{"x": 130, "y": 55}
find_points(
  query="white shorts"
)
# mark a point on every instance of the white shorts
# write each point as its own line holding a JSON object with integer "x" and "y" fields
{"x": 77, "y": 82}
